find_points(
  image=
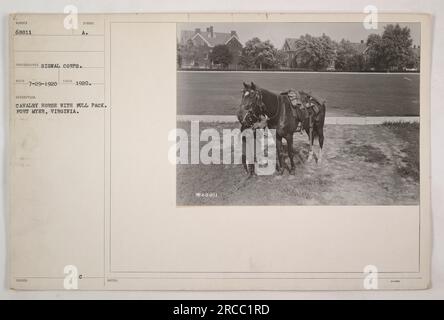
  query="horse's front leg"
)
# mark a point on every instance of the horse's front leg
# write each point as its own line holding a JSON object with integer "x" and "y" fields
{"x": 251, "y": 166}
{"x": 279, "y": 162}
{"x": 248, "y": 167}
{"x": 244, "y": 154}
{"x": 289, "y": 139}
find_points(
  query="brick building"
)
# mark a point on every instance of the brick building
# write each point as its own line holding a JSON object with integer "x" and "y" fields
{"x": 195, "y": 47}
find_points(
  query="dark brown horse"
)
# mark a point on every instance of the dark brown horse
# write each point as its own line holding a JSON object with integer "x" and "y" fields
{"x": 282, "y": 118}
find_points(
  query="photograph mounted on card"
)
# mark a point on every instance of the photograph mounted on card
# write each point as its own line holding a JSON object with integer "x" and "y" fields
{"x": 241, "y": 151}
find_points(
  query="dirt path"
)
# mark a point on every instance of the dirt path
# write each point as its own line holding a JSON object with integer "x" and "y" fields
{"x": 362, "y": 165}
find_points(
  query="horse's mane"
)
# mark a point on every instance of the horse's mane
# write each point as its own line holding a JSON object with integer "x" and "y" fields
{"x": 270, "y": 99}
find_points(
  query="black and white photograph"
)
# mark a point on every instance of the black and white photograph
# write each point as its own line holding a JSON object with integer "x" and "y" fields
{"x": 319, "y": 113}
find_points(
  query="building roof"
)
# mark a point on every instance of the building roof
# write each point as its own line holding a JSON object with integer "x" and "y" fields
{"x": 217, "y": 38}
{"x": 417, "y": 51}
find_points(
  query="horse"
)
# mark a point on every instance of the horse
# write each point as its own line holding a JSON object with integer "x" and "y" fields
{"x": 282, "y": 118}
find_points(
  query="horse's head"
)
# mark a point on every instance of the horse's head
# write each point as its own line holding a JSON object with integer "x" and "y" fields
{"x": 250, "y": 106}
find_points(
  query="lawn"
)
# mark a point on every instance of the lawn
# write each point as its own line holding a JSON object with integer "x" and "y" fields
{"x": 347, "y": 94}
{"x": 408, "y": 166}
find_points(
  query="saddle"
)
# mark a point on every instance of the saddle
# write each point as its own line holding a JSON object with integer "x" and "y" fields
{"x": 305, "y": 103}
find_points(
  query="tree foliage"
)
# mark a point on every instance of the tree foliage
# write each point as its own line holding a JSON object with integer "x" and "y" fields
{"x": 315, "y": 52}
{"x": 392, "y": 50}
{"x": 221, "y": 55}
{"x": 197, "y": 54}
{"x": 281, "y": 58}
{"x": 413, "y": 60}
{"x": 348, "y": 58}
{"x": 258, "y": 54}
{"x": 179, "y": 56}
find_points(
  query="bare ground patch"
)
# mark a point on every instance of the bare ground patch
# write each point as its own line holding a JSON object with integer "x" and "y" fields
{"x": 362, "y": 165}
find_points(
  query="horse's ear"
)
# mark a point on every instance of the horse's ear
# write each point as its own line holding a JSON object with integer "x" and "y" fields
{"x": 245, "y": 85}
{"x": 253, "y": 86}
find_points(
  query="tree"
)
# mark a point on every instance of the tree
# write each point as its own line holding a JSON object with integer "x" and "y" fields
{"x": 348, "y": 58}
{"x": 247, "y": 62}
{"x": 315, "y": 52}
{"x": 375, "y": 52}
{"x": 179, "y": 56}
{"x": 392, "y": 50}
{"x": 195, "y": 54}
{"x": 397, "y": 44}
{"x": 221, "y": 55}
{"x": 413, "y": 61}
{"x": 281, "y": 59}
{"x": 258, "y": 54}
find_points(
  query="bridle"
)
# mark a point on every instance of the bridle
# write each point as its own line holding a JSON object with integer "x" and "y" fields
{"x": 257, "y": 108}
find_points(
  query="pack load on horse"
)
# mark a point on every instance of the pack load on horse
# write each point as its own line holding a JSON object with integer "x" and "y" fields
{"x": 287, "y": 112}
{"x": 306, "y": 107}
{"x": 305, "y": 102}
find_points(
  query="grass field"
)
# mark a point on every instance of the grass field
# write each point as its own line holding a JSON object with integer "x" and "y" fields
{"x": 362, "y": 165}
{"x": 347, "y": 94}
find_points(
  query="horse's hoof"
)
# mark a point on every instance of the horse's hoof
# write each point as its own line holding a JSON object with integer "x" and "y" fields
{"x": 250, "y": 176}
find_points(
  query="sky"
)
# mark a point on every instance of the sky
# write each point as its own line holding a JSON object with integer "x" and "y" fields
{"x": 276, "y": 32}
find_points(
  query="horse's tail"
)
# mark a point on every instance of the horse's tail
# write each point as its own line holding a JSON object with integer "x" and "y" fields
{"x": 323, "y": 111}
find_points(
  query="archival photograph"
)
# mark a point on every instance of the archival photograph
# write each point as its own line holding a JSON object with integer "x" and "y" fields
{"x": 297, "y": 114}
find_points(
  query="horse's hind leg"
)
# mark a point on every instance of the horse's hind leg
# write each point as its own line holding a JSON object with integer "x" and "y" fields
{"x": 311, "y": 142}
{"x": 321, "y": 142}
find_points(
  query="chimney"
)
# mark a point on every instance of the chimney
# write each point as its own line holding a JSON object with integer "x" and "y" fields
{"x": 197, "y": 30}
{"x": 362, "y": 41}
{"x": 211, "y": 32}
{"x": 233, "y": 33}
